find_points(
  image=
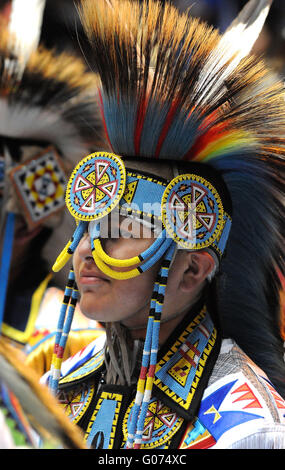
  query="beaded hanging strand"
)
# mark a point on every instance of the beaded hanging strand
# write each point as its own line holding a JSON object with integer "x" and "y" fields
{"x": 63, "y": 328}
{"x": 154, "y": 344}
{"x": 63, "y": 339}
{"x": 60, "y": 323}
{"x": 143, "y": 371}
{"x": 144, "y": 389}
{"x": 70, "y": 247}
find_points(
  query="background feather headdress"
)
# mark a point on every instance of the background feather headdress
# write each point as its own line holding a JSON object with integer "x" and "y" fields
{"x": 172, "y": 88}
{"x": 47, "y": 100}
{"x": 53, "y": 100}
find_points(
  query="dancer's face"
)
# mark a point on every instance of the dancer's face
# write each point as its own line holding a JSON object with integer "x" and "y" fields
{"x": 106, "y": 299}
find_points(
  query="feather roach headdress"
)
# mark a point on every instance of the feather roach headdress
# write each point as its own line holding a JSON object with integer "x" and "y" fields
{"x": 47, "y": 102}
{"x": 173, "y": 89}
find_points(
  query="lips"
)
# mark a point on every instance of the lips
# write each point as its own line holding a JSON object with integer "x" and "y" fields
{"x": 87, "y": 277}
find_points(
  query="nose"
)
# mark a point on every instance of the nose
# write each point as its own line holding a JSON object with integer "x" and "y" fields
{"x": 84, "y": 248}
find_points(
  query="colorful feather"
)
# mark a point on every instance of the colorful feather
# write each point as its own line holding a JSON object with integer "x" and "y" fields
{"x": 178, "y": 100}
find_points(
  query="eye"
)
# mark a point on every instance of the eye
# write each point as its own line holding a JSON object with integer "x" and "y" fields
{"x": 127, "y": 234}
{"x": 94, "y": 229}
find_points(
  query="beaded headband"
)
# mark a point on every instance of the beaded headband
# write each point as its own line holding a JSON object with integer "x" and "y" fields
{"x": 189, "y": 209}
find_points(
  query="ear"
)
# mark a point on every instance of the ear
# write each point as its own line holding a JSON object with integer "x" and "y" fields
{"x": 198, "y": 267}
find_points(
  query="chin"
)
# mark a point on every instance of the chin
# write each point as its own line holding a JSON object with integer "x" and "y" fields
{"x": 93, "y": 311}
{"x": 90, "y": 312}
{"x": 101, "y": 315}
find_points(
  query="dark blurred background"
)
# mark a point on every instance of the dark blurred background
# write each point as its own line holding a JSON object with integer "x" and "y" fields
{"x": 62, "y": 29}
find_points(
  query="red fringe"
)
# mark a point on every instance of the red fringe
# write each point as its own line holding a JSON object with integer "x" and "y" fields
{"x": 103, "y": 118}
{"x": 166, "y": 126}
{"x": 141, "y": 112}
{"x": 205, "y": 139}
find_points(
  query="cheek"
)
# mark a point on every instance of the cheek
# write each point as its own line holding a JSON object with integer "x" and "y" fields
{"x": 119, "y": 300}
{"x": 139, "y": 288}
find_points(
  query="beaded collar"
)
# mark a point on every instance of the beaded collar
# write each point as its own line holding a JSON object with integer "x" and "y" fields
{"x": 184, "y": 364}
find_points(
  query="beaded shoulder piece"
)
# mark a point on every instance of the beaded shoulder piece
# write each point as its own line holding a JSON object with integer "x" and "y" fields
{"x": 84, "y": 363}
{"x": 184, "y": 369}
